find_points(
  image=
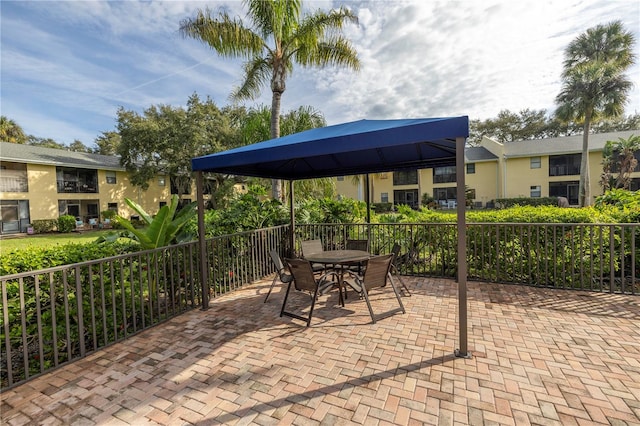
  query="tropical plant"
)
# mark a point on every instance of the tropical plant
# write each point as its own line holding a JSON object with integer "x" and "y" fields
{"x": 10, "y": 131}
{"x": 619, "y": 157}
{"x": 163, "y": 228}
{"x": 276, "y": 37}
{"x": 594, "y": 84}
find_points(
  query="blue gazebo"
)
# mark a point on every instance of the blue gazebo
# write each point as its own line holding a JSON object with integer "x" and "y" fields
{"x": 359, "y": 147}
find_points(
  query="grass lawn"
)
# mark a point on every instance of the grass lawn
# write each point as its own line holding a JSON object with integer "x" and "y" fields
{"x": 43, "y": 240}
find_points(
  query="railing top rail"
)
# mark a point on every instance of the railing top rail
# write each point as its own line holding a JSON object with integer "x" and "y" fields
{"x": 474, "y": 223}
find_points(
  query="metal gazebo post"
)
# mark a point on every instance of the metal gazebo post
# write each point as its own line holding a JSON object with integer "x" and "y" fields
{"x": 462, "y": 249}
{"x": 204, "y": 270}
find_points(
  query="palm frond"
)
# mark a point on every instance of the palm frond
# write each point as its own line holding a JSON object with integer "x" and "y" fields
{"x": 229, "y": 37}
{"x": 257, "y": 72}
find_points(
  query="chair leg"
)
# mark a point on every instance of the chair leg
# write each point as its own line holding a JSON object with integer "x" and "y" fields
{"x": 313, "y": 304}
{"x": 300, "y": 317}
{"x": 395, "y": 290}
{"x": 284, "y": 302}
{"x": 366, "y": 299}
{"x": 404, "y": 287}
{"x": 271, "y": 287}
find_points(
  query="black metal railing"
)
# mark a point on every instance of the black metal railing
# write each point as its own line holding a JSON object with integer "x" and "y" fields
{"x": 54, "y": 316}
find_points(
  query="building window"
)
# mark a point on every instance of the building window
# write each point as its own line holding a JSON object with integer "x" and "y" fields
{"x": 111, "y": 177}
{"x": 14, "y": 216}
{"x": 162, "y": 181}
{"x": 535, "y": 163}
{"x": 13, "y": 177}
{"x": 384, "y": 197}
{"x": 405, "y": 177}
{"x": 408, "y": 197}
{"x": 569, "y": 190}
{"x": 564, "y": 165}
{"x": 113, "y": 207}
{"x": 72, "y": 180}
{"x": 471, "y": 168}
{"x": 340, "y": 178}
{"x": 536, "y": 191}
{"x": 444, "y": 174}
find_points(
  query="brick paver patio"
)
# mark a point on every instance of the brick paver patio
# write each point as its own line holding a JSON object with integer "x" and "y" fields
{"x": 539, "y": 357}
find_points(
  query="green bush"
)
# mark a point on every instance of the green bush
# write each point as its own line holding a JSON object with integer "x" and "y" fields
{"x": 526, "y": 201}
{"x": 621, "y": 204}
{"x": 41, "y": 226}
{"x": 108, "y": 214}
{"x": 35, "y": 258}
{"x": 66, "y": 223}
{"x": 381, "y": 207}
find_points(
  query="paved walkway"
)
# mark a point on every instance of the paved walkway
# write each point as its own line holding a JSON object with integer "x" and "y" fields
{"x": 539, "y": 357}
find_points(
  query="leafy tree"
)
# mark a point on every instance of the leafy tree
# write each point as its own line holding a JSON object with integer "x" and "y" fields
{"x": 44, "y": 142}
{"x": 107, "y": 143}
{"x": 619, "y": 157}
{"x": 11, "y": 132}
{"x": 532, "y": 124}
{"x": 509, "y": 126}
{"x": 78, "y": 146}
{"x": 164, "y": 139}
{"x": 277, "y": 37}
{"x": 594, "y": 85}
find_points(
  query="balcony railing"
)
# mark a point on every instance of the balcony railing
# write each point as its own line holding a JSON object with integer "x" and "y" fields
{"x": 57, "y": 315}
{"x": 68, "y": 186}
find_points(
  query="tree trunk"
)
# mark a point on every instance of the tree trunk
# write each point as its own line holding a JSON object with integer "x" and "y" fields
{"x": 584, "y": 188}
{"x": 276, "y": 184}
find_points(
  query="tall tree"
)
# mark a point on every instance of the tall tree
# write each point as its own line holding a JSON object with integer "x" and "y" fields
{"x": 107, "y": 143}
{"x": 10, "y": 131}
{"x": 164, "y": 139}
{"x": 78, "y": 146}
{"x": 275, "y": 38}
{"x": 44, "y": 142}
{"x": 594, "y": 84}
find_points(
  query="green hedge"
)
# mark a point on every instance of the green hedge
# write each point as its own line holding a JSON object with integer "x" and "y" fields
{"x": 505, "y": 203}
{"x": 42, "y": 226}
{"x": 35, "y": 258}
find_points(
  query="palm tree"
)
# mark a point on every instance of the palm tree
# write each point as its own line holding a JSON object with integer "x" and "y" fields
{"x": 594, "y": 84}
{"x": 278, "y": 37}
{"x": 10, "y": 131}
{"x": 620, "y": 157}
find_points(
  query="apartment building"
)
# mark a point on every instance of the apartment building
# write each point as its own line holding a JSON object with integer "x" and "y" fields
{"x": 531, "y": 168}
{"x": 45, "y": 183}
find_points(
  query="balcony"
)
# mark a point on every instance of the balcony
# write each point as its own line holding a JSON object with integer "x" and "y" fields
{"x": 540, "y": 355}
{"x": 69, "y": 186}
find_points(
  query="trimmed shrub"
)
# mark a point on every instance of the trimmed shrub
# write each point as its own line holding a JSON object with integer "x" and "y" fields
{"x": 66, "y": 223}
{"x": 41, "y": 226}
{"x": 526, "y": 201}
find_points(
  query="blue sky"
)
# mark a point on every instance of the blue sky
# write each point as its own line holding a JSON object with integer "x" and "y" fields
{"x": 67, "y": 66}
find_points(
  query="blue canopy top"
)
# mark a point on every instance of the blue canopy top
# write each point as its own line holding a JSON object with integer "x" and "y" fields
{"x": 359, "y": 147}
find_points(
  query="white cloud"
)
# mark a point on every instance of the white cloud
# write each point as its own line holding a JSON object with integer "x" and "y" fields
{"x": 70, "y": 64}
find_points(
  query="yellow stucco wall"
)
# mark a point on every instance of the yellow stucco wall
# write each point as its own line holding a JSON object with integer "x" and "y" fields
{"x": 484, "y": 181}
{"x": 43, "y": 195}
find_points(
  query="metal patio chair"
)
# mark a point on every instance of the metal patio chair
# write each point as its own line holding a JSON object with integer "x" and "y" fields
{"x": 376, "y": 275}
{"x": 313, "y": 246}
{"x": 304, "y": 280}
{"x": 281, "y": 272}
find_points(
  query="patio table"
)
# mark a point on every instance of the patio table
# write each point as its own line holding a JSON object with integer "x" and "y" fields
{"x": 339, "y": 259}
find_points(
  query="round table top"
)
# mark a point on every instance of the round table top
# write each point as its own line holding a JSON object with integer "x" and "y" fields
{"x": 338, "y": 256}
